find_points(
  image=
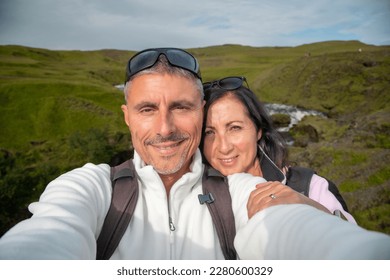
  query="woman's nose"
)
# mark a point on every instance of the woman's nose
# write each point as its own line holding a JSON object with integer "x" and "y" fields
{"x": 224, "y": 144}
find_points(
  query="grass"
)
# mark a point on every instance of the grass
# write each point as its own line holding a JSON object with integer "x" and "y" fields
{"x": 59, "y": 110}
{"x": 45, "y": 110}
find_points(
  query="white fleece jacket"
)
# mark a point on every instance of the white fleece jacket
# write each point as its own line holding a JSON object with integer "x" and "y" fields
{"x": 69, "y": 215}
{"x": 298, "y": 231}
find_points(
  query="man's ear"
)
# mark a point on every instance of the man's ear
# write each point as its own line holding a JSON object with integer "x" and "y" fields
{"x": 203, "y": 104}
{"x": 125, "y": 114}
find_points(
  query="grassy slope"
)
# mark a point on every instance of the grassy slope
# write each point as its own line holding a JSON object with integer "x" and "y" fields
{"x": 48, "y": 94}
{"x": 59, "y": 109}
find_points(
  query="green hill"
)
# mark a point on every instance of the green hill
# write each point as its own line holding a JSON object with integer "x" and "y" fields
{"x": 60, "y": 109}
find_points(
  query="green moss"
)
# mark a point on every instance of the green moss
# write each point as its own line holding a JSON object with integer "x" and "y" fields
{"x": 281, "y": 120}
{"x": 369, "y": 218}
{"x": 342, "y": 157}
{"x": 382, "y": 141}
{"x": 350, "y": 185}
{"x": 379, "y": 177}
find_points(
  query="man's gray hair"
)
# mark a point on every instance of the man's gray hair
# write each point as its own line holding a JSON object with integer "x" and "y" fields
{"x": 162, "y": 66}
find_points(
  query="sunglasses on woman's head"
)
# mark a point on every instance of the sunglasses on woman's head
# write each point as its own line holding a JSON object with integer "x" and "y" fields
{"x": 176, "y": 57}
{"x": 228, "y": 83}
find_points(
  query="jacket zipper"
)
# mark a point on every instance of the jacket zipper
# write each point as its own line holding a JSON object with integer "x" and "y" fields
{"x": 171, "y": 231}
{"x": 171, "y": 225}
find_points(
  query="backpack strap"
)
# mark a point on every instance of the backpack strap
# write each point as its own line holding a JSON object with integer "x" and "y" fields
{"x": 123, "y": 202}
{"x": 335, "y": 191}
{"x": 299, "y": 178}
{"x": 124, "y": 199}
{"x": 217, "y": 198}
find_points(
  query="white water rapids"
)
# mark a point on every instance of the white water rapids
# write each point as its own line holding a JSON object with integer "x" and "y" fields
{"x": 296, "y": 114}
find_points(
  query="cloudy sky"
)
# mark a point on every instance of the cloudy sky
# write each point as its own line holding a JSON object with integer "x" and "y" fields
{"x": 139, "y": 24}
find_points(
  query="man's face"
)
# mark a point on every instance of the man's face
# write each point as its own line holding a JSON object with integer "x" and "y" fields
{"x": 164, "y": 114}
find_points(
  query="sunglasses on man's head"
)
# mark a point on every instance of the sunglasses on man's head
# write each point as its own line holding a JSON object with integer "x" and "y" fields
{"x": 176, "y": 57}
{"x": 228, "y": 83}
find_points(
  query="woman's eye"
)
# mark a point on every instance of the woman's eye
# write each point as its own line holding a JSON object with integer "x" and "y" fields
{"x": 235, "y": 127}
{"x": 208, "y": 132}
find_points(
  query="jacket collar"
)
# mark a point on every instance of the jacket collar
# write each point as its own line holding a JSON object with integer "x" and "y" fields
{"x": 269, "y": 169}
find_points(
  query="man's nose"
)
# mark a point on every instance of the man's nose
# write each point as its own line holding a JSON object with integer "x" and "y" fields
{"x": 166, "y": 124}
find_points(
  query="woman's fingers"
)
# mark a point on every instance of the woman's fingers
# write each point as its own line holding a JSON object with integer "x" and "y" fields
{"x": 262, "y": 196}
{"x": 275, "y": 193}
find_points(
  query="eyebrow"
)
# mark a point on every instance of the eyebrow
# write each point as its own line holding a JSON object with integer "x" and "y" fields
{"x": 173, "y": 105}
{"x": 178, "y": 103}
{"x": 143, "y": 104}
{"x": 226, "y": 125}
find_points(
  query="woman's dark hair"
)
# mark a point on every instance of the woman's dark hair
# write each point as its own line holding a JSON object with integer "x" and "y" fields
{"x": 271, "y": 141}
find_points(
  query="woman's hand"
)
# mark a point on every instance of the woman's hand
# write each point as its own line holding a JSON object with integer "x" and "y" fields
{"x": 275, "y": 193}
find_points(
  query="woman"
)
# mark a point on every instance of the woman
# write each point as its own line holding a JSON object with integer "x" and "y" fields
{"x": 239, "y": 137}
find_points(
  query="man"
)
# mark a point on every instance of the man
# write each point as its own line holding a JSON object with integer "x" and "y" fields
{"x": 164, "y": 111}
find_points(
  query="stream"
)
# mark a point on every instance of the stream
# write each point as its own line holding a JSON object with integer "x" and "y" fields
{"x": 296, "y": 114}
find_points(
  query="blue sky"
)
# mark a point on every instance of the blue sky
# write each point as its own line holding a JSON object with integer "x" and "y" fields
{"x": 139, "y": 24}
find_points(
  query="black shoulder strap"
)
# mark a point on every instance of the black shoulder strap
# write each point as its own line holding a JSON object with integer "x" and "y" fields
{"x": 298, "y": 178}
{"x": 124, "y": 199}
{"x": 217, "y": 198}
{"x": 333, "y": 189}
{"x": 123, "y": 202}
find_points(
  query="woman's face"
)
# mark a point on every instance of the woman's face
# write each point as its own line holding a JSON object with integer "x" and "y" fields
{"x": 230, "y": 141}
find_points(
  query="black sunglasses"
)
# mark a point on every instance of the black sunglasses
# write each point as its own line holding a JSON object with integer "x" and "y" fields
{"x": 176, "y": 57}
{"x": 228, "y": 83}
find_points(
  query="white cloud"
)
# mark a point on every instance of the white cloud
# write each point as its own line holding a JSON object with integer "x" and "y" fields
{"x": 137, "y": 24}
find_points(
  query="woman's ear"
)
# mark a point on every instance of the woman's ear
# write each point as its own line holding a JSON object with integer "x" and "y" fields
{"x": 259, "y": 134}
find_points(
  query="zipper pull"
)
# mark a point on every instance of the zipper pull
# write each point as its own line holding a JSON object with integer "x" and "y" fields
{"x": 171, "y": 225}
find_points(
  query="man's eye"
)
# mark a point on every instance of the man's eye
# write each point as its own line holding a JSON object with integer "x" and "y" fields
{"x": 146, "y": 110}
{"x": 181, "y": 108}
